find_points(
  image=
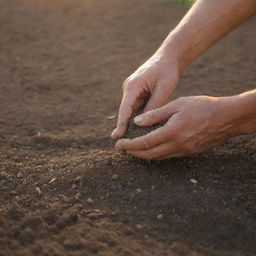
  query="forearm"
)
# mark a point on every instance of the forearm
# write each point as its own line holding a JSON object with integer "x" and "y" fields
{"x": 243, "y": 110}
{"x": 206, "y": 22}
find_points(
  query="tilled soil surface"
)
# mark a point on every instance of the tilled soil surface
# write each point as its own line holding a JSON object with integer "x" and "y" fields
{"x": 63, "y": 188}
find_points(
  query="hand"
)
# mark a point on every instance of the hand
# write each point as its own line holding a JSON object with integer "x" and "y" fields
{"x": 195, "y": 124}
{"x": 153, "y": 83}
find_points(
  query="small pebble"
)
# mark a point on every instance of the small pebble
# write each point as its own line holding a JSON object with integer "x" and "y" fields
{"x": 4, "y": 173}
{"x": 139, "y": 226}
{"x": 20, "y": 175}
{"x": 89, "y": 200}
{"x": 194, "y": 181}
{"x": 73, "y": 186}
{"x": 78, "y": 179}
{"x": 52, "y": 180}
{"x": 114, "y": 177}
{"x": 138, "y": 190}
{"x": 78, "y": 195}
{"x": 159, "y": 216}
{"x": 38, "y": 190}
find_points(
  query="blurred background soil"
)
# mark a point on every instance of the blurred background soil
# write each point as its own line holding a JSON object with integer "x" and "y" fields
{"x": 63, "y": 188}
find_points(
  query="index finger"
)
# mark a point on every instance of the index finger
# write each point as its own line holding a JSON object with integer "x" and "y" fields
{"x": 147, "y": 141}
{"x": 128, "y": 102}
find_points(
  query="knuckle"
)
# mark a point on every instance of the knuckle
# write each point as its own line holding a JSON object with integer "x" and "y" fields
{"x": 132, "y": 81}
{"x": 146, "y": 144}
{"x": 154, "y": 114}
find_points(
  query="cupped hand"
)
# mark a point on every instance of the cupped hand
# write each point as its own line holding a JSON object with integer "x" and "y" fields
{"x": 194, "y": 124}
{"x": 151, "y": 83}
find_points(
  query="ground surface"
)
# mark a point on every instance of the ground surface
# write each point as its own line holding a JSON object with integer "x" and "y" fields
{"x": 63, "y": 189}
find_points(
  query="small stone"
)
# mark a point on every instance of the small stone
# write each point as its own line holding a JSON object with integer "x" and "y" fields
{"x": 114, "y": 177}
{"x": 20, "y": 175}
{"x": 90, "y": 201}
{"x": 138, "y": 190}
{"x": 78, "y": 179}
{"x": 4, "y": 173}
{"x": 159, "y": 216}
{"x": 78, "y": 195}
{"x": 52, "y": 180}
{"x": 38, "y": 190}
{"x": 194, "y": 181}
{"x": 73, "y": 186}
{"x": 139, "y": 226}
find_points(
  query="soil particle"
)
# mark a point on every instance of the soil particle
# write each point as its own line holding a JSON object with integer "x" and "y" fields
{"x": 90, "y": 201}
{"x": 114, "y": 177}
{"x": 138, "y": 190}
{"x": 19, "y": 175}
{"x": 78, "y": 179}
{"x": 4, "y": 174}
{"x": 193, "y": 181}
{"x": 159, "y": 216}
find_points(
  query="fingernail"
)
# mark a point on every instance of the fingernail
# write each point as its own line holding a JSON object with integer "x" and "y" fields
{"x": 139, "y": 119}
{"x": 113, "y": 134}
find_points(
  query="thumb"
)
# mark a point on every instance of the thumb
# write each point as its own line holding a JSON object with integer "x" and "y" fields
{"x": 157, "y": 115}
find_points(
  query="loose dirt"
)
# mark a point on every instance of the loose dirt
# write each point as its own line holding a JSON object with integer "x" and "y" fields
{"x": 134, "y": 131}
{"x": 63, "y": 188}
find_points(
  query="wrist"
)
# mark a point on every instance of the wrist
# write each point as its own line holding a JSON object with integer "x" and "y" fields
{"x": 172, "y": 49}
{"x": 240, "y": 111}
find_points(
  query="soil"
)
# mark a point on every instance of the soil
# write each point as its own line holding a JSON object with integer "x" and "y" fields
{"x": 134, "y": 131}
{"x": 63, "y": 188}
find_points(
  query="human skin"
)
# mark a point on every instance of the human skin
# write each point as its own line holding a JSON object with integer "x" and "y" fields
{"x": 194, "y": 123}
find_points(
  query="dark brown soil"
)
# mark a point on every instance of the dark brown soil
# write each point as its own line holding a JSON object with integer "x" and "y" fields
{"x": 134, "y": 130}
{"x": 63, "y": 188}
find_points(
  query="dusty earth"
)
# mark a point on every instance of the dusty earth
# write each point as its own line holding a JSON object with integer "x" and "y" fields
{"x": 63, "y": 188}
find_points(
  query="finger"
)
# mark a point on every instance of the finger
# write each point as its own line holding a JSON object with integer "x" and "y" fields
{"x": 173, "y": 155}
{"x": 157, "y": 99}
{"x": 155, "y": 153}
{"x": 147, "y": 141}
{"x": 125, "y": 111}
{"x": 157, "y": 115}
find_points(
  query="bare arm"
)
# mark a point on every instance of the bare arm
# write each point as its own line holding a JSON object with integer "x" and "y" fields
{"x": 206, "y": 23}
